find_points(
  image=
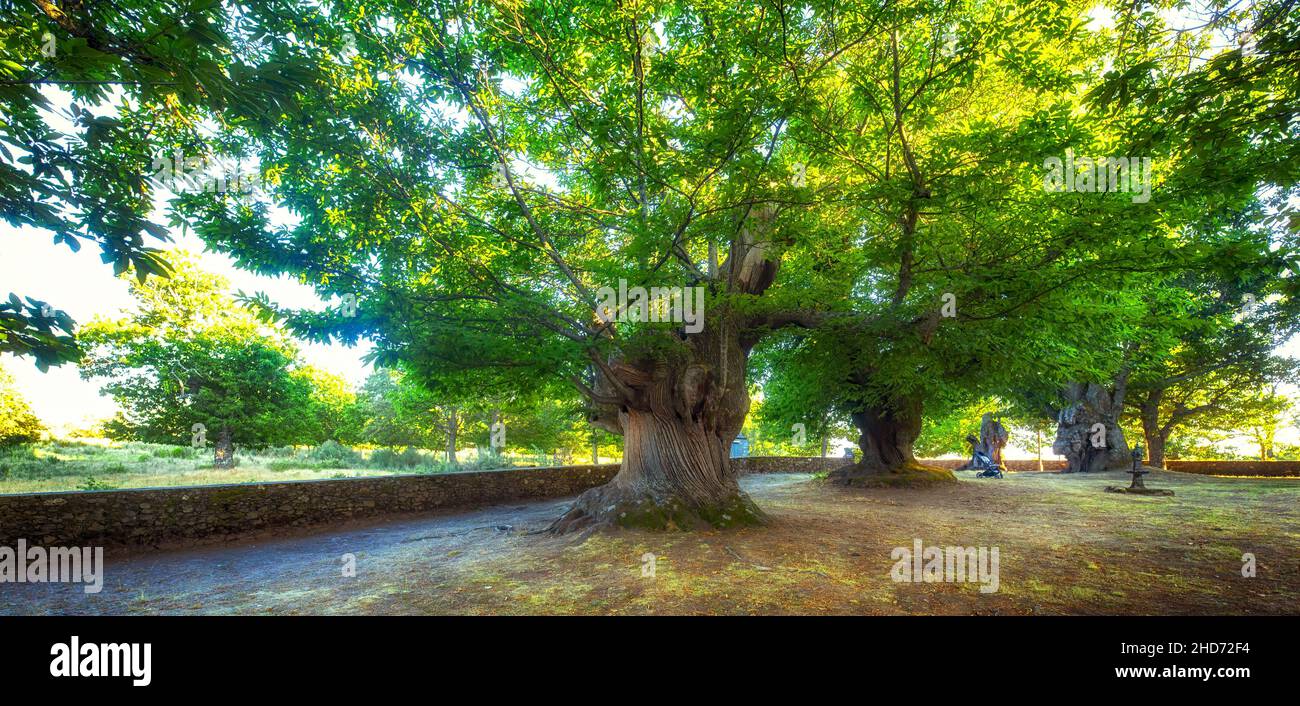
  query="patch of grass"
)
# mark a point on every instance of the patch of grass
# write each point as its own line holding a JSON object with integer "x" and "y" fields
{"x": 62, "y": 465}
{"x": 289, "y": 464}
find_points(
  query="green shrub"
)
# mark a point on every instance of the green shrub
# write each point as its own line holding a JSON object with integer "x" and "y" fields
{"x": 116, "y": 468}
{"x": 439, "y": 467}
{"x": 173, "y": 452}
{"x": 18, "y": 425}
{"x": 332, "y": 454}
{"x": 489, "y": 461}
{"x": 385, "y": 458}
{"x": 280, "y": 452}
{"x": 411, "y": 457}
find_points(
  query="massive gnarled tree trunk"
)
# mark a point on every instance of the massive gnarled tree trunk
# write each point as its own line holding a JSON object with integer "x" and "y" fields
{"x": 678, "y": 409}
{"x": 888, "y": 432}
{"x": 678, "y": 420}
{"x": 1088, "y": 433}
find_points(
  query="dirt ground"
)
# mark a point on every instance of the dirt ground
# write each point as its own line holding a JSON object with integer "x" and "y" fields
{"x": 1065, "y": 547}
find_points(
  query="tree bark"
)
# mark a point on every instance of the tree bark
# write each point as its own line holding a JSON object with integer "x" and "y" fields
{"x": 678, "y": 422}
{"x": 993, "y": 438}
{"x": 888, "y": 432}
{"x": 452, "y": 424}
{"x": 1077, "y": 439}
{"x": 1153, "y": 434}
{"x": 223, "y": 452}
{"x": 1156, "y": 450}
{"x": 676, "y": 475}
{"x": 1040, "y": 449}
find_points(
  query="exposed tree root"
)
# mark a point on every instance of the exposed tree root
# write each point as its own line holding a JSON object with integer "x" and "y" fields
{"x": 905, "y": 475}
{"x": 615, "y": 506}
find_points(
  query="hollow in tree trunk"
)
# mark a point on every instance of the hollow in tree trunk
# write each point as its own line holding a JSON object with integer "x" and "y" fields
{"x": 887, "y": 435}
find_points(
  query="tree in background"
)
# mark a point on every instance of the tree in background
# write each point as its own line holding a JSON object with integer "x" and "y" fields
{"x": 965, "y": 276}
{"x": 18, "y": 425}
{"x": 552, "y": 420}
{"x": 334, "y": 410}
{"x": 397, "y": 411}
{"x": 1258, "y": 416}
{"x": 944, "y": 431}
{"x": 1223, "y": 400}
{"x": 1207, "y": 340}
{"x": 770, "y": 433}
{"x": 386, "y": 420}
{"x": 1219, "y": 118}
{"x": 192, "y": 366}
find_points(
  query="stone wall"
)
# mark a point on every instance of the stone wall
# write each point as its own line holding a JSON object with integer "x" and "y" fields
{"x": 152, "y": 517}
{"x": 1237, "y": 468}
{"x": 787, "y": 464}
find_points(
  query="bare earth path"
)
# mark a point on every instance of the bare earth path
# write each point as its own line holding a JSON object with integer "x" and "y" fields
{"x": 1065, "y": 547}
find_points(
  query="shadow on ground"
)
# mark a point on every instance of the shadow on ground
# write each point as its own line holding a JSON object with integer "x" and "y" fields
{"x": 1065, "y": 546}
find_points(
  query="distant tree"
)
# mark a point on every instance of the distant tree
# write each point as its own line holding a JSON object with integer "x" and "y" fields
{"x": 379, "y": 413}
{"x": 191, "y": 356}
{"x": 395, "y": 410}
{"x": 398, "y": 411}
{"x": 1258, "y": 416}
{"x": 771, "y": 433}
{"x": 551, "y": 420}
{"x": 1208, "y": 339}
{"x": 1196, "y": 443}
{"x": 335, "y": 411}
{"x": 18, "y": 425}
